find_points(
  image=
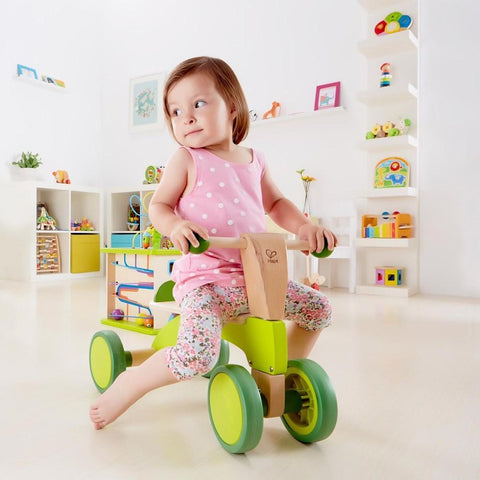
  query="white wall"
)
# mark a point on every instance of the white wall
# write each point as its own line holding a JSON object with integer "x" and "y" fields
{"x": 450, "y": 151}
{"x": 62, "y": 39}
{"x": 280, "y": 50}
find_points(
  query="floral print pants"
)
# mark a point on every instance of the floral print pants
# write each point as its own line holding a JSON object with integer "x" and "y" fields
{"x": 206, "y": 309}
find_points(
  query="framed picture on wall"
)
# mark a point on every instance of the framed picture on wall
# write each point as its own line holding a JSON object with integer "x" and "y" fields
{"x": 146, "y": 111}
{"x": 24, "y": 71}
{"x": 327, "y": 96}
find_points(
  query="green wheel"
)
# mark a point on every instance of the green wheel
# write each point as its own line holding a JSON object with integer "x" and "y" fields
{"x": 316, "y": 415}
{"x": 222, "y": 359}
{"x": 235, "y": 408}
{"x": 107, "y": 359}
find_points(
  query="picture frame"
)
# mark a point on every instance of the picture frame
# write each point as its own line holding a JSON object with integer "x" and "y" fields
{"x": 24, "y": 71}
{"x": 145, "y": 103}
{"x": 327, "y": 96}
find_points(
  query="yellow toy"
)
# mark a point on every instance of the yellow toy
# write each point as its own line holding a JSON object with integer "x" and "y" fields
{"x": 297, "y": 391}
{"x": 61, "y": 176}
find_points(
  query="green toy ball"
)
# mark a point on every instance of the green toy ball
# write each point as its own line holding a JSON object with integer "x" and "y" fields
{"x": 202, "y": 247}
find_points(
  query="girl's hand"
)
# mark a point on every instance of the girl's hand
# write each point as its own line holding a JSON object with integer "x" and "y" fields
{"x": 183, "y": 234}
{"x": 316, "y": 236}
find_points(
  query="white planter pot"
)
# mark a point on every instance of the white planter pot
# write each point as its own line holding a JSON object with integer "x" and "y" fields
{"x": 26, "y": 174}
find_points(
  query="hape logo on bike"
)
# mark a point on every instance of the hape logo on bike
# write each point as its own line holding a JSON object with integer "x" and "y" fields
{"x": 271, "y": 254}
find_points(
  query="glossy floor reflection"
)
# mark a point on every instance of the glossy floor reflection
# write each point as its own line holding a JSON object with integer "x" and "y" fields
{"x": 406, "y": 373}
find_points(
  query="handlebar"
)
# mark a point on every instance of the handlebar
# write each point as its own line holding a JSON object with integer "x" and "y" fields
{"x": 233, "y": 242}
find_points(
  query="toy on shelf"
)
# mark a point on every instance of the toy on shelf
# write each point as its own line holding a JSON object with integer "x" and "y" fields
{"x": 45, "y": 221}
{"x": 394, "y": 22}
{"x": 386, "y": 225}
{"x": 391, "y": 172}
{"x": 48, "y": 254}
{"x": 389, "y": 276}
{"x": 84, "y": 226}
{"x": 386, "y": 76}
{"x": 389, "y": 129}
{"x": 133, "y": 223}
{"x": 153, "y": 174}
{"x": 273, "y": 112}
{"x": 61, "y": 176}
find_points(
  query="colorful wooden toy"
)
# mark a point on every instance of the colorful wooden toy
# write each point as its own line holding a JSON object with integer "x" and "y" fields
{"x": 394, "y": 22}
{"x": 391, "y": 172}
{"x": 396, "y": 225}
{"x": 389, "y": 276}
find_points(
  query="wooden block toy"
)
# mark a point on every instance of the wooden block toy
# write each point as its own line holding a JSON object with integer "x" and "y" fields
{"x": 389, "y": 276}
{"x": 386, "y": 225}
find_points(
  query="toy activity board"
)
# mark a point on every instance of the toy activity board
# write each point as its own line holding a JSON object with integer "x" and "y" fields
{"x": 394, "y": 22}
{"x": 48, "y": 254}
{"x": 391, "y": 172}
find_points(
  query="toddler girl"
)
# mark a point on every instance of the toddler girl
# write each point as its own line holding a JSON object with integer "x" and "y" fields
{"x": 214, "y": 186}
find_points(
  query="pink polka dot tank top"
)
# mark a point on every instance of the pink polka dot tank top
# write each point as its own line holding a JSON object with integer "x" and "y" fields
{"x": 227, "y": 200}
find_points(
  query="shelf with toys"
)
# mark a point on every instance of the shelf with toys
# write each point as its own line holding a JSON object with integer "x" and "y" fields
{"x": 43, "y": 243}
{"x": 404, "y": 41}
{"x": 324, "y": 114}
{"x": 390, "y": 147}
{"x": 401, "y": 93}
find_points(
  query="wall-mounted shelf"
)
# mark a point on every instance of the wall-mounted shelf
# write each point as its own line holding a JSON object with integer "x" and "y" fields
{"x": 380, "y": 96}
{"x": 389, "y": 143}
{"x": 41, "y": 84}
{"x": 391, "y": 192}
{"x": 316, "y": 114}
{"x": 384, "y": 44}
{"x": 386, "y": 242}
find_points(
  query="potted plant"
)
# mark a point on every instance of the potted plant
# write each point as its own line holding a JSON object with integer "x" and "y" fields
{"x": 25, "y": 168}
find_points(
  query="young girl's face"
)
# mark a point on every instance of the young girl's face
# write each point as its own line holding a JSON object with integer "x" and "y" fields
{"x": 199, "y": 115}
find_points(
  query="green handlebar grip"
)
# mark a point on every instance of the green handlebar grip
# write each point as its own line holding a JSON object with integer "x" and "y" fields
{"x": 325, "y": 252}
{"x": 202, "y": 247}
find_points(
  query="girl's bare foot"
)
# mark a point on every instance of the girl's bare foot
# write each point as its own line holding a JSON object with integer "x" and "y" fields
{"x": 116, "y": 400}
{"x": 129, "y": 387}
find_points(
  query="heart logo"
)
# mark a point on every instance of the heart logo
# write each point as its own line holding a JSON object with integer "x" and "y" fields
{"x": 270, "y": 253}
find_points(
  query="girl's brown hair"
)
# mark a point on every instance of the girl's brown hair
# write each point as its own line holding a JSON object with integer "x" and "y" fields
{"x": 226, "y": 83}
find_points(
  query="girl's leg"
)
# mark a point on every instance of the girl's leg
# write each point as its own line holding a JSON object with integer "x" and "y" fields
{"x": 310, "y": 312}
{"x": 129, "y": 387}
{"x": 204, "y": 312}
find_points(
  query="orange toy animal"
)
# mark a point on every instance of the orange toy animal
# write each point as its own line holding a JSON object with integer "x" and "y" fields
{"x": 61, "y": 176}
{"x": 273, "y": 112}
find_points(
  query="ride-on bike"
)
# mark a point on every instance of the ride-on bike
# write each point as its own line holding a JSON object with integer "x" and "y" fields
{"x": 298, "y": 391}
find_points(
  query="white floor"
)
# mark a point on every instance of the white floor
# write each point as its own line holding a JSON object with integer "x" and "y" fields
{"x": 406, "y": 373}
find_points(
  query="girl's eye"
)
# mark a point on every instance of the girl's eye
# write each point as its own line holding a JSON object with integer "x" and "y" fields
{"x": 176, "y": 112}
{"x": 200, "y": 103}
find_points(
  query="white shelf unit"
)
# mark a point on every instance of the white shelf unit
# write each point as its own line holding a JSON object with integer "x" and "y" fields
{"x": 118, "y": 202}
{"x": 19, "y": 233}
{"x": 400, "y": 99}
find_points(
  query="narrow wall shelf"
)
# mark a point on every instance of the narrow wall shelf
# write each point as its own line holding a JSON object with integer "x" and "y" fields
{"x": 316, "y": 114}
{"x": 41, "y": 84}
{"x": 384, "y": 44}
{"x": 388, "y": 94}
{"x": 387, "y": 143}
{"x": 386, "y": 242}
{"x": 391, "y": 192}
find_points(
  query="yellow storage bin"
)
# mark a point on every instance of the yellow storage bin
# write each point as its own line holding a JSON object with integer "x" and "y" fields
{"x": 85, "y": 253}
